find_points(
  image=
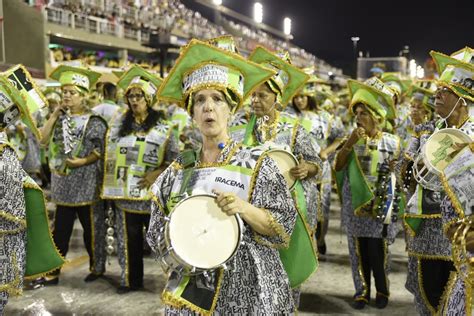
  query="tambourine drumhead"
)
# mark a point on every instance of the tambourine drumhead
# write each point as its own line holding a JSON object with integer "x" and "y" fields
{"x": 201, "y": 234}
{"x": 437, "y": 149}
{"x": 285, "y": 161}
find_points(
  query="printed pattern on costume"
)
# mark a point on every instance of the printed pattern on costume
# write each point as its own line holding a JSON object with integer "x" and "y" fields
{"x": 12, "y": 224}
{"x": 81, "y": 185}
{"x": 256, "y": 282}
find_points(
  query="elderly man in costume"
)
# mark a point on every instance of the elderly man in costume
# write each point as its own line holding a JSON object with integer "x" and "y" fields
{"x": 363, "y": 160}
{"x": 26, "y": 248}
{"x": 430, "y": 258}
{"x": 144, "y": 131}
{"x": 455, "y": 104}
{"x": 211, "y": 83}
{"x": 76, "y": 138}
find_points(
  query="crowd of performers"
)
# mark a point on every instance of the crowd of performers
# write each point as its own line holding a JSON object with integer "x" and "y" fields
{"x": 124, "y": 167}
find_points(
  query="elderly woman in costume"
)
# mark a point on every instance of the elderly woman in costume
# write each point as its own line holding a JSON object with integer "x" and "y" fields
{"x": 270, "y": 127}
{"x": 127, "y": 177}
{"x": 211, "y": 82}
{"x": 322, "y": 127}
{"x": 20, "y": 197}
{"x": 75, "y": 138}
{"x": 365, "y": 156}
{"x": 454, "y": 104}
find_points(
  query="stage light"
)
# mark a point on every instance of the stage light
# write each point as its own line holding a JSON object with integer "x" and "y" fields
{"x": 287, "y": 26}
{"x": 258, "y": 12}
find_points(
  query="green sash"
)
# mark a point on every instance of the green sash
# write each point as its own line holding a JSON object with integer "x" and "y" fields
{"x": 41, "y": 253}
{"x": 249, "y": 140}
{"x": 299, "y": 259}
{"x": 361, "y": 193}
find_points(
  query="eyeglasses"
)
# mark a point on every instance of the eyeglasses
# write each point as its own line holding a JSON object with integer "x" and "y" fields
{"x": 135, "y": 96}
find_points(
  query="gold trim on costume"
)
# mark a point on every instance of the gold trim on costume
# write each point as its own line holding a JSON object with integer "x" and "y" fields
{"x": 432, "y": 310}
{"x": 361, "y": 271}
{"x": 181, "y": 303}
{"x": 448, "y": 289}
{"x": 125, "y": 244}
{"x": 74, "y": 204}
{"x": 429, "y": 257}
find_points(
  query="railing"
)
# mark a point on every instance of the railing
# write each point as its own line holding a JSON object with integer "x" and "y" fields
{"x": 93, "y": 24}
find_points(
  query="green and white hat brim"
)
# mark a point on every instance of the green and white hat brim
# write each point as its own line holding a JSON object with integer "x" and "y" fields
{"x": 10, "y": 98}
{"x": 204, "y": 66}
{"x": 395, "y": 82}
{"x": 386, "y": 93}
{"x": 455, "y": 74}
{"x": 373, "y": 99}
{"x": 21, "y": 80}
{"x": 424, "y": 90}
{"x": 76, "y": 76}
{"x": 137, "y": 77}
{"x": 289, "y": 79}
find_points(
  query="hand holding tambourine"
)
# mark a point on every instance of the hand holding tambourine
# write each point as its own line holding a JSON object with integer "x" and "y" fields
{"x": 230, "y": 203}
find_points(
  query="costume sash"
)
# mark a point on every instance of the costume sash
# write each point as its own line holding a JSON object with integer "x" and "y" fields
{"x": 299, "y": 259}
{"x": 361, "y": 193}
{"x": 129, "y": 158}
{"x": 42, "y": 255}
{"x": 227, "y": 178}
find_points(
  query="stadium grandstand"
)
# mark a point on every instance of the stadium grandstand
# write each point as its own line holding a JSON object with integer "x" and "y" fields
{"x": 108, "y": 35}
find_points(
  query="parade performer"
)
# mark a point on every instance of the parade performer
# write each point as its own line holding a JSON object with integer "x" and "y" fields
{"x": 109, "y": 108}
{"x": 455, "y": 105}
{"x": 272, "y": 128}
{"x": 26, "y": 247}
{"x": 75, "y": 138}
{"x": 139, "y": 147}
{"x": 360, "y": 163}
{"x": 430, "y": 258}
{"x": 211, "y": 83}
{"x": 322, "y": 127}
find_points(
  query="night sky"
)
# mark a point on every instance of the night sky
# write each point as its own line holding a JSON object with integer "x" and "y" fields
{"x": 325, "y": 27}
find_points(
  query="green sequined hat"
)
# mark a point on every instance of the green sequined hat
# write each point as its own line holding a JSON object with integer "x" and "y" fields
{"x": 456, "y": 71}
{"x": 20, "y": 97}
{"x": 80, "y": 77}
{"x": 368, "y": 95}
{"x": 137, "y": 77}
{"x": 424, "y": 90}
{"x": 288, "y": 79}
{"x": 388, "y": 95}
{"x": 395, "y": 82}
{"x": 202, "y": 65}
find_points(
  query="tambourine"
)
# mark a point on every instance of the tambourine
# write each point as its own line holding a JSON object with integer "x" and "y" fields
{"x": 199, "y": 236}
{"x": 285, "y": 161}
{"x": 435, "y": 155}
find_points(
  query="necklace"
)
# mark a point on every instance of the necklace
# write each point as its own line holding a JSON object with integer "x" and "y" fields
{"x": 140, "y": 120}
